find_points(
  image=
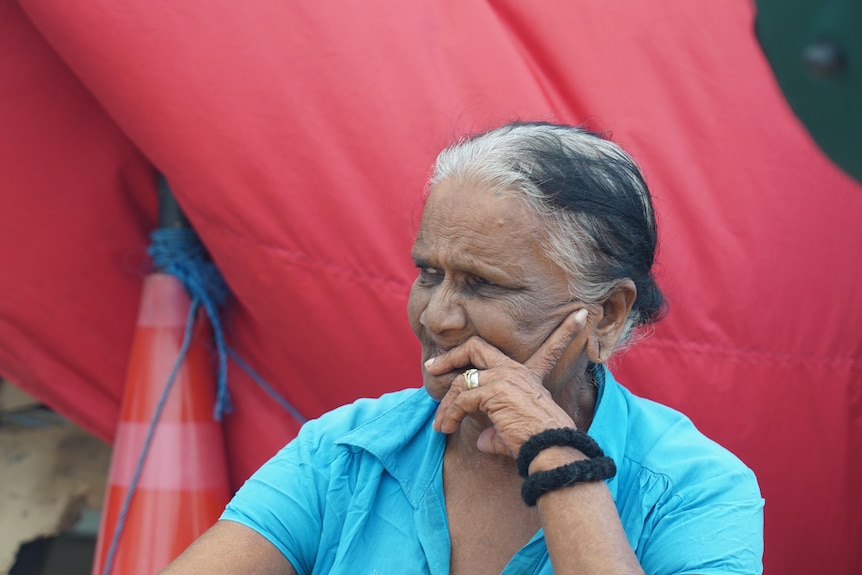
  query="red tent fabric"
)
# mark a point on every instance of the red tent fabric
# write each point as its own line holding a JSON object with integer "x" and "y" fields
{"x": 297, "y": 137}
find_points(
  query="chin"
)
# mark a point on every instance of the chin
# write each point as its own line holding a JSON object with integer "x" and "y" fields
{"x": 437, "y": 386}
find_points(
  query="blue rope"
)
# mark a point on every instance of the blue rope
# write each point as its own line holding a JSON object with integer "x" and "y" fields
{"x": 148, "y": 440}
{"x": 268, "y": 388}
{"x": 179, "y": 252}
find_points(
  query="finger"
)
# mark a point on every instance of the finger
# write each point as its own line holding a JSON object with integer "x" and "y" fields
{"x": 549, "y": 353}
{"x": 492, "y": 442}
{"x": 453, "y": 409}
{"x": 459, "y": 385}
{"x": 489, "y": 442}
{"x": 451, "y": 413}
{"x": 475, "y": 351}
{"x": 515, "y": 414}
{"x": 443, "y": 408}
{"x": 460, "y": 402}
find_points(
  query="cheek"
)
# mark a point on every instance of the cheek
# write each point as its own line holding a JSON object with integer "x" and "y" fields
{"x": 522, "y": 329}
{"x": 516, "y": 330}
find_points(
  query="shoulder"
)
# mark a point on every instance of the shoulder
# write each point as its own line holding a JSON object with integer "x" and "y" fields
{"x": 366, "y": 410}
{"x": 680, "y": 494}
{"x": 332, "y": 447}
{"x": 663, "y": 460}
{"x": 386, "y": 419}
{"x": 664, "y": 442}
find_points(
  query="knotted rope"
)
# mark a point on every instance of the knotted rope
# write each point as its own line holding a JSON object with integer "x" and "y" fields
{"x": 179, "y": 252}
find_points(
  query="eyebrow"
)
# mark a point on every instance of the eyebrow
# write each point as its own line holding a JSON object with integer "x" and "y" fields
{"x": 415, "y": 256}
{"x": 478, "y": 268}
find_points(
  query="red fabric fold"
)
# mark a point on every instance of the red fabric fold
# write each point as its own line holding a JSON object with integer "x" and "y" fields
{"x": 298, "y": 136}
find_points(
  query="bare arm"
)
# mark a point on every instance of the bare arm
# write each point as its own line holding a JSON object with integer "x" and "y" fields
{"x": 230, "y": 548}
{"x": 588, "y": 511}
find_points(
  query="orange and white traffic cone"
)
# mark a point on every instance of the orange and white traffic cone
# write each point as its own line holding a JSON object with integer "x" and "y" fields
{"x": 181, "y": 485}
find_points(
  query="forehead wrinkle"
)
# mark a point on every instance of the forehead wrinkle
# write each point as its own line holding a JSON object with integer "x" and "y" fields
{"x": 458, "y": 246}
{"x": 471, "y": 227}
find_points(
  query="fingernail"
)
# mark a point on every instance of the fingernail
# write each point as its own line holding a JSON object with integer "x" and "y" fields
{"x": 429, "y": 362}
{"x": 581, "y": 316}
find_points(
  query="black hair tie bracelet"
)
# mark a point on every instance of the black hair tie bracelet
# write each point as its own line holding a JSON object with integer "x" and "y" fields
{"x": 597, "y": 468}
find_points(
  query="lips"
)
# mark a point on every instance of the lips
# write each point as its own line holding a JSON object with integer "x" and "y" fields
{"x": 436, "y": 350}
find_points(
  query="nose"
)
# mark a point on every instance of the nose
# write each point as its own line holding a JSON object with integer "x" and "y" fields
{"x": 444, "y": 312}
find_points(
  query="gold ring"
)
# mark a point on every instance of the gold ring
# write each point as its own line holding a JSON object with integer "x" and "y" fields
{"x": 471, "y": 376}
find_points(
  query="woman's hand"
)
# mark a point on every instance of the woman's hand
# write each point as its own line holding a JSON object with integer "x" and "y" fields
{"x": 511, "y": 394}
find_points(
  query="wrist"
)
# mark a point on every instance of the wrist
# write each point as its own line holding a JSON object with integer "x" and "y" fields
{"x": 564, "y": 437}
{"x": 553, "y": 457}
{"x": 557, "y": 458}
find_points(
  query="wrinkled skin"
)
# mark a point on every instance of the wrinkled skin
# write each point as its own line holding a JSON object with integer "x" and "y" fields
{"x": 487, "y": 297}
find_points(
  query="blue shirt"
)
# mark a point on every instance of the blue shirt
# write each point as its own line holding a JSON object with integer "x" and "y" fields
{"x": 360, "y": 492}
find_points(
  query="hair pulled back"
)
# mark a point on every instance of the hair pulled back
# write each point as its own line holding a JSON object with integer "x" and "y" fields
{"x": 600, "y": 222}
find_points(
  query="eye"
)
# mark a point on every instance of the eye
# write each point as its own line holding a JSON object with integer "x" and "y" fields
{"x": 428, "y": 275}
{"x": 478, "y": 282}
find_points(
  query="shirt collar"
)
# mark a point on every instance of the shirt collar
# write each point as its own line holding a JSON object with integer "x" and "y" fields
{"x": 404, "y": 442}
{"x": 611, "y": 416}
{"x": 402, "y": 437}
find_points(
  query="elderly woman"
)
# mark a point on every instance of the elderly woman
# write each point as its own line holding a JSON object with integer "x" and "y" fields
{"x": 521, "y": 453}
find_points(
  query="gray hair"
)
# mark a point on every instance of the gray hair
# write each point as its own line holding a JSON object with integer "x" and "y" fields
{"x": 599, "y": 215}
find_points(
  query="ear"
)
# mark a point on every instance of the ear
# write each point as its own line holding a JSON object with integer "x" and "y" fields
{"x": 609, "y": 320}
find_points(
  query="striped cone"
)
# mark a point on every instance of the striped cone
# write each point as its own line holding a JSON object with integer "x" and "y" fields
{"x": 183, "y": 485}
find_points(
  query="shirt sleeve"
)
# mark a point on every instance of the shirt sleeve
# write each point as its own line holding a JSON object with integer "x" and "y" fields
{"x": 713, "y": 526}
{"x": 284, "y": 499}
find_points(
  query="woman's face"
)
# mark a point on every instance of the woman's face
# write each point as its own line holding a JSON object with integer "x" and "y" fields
{"x": 482, "y": 272}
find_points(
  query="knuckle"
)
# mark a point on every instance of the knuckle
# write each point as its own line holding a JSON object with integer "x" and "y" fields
{"x": 473, "y": 343}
